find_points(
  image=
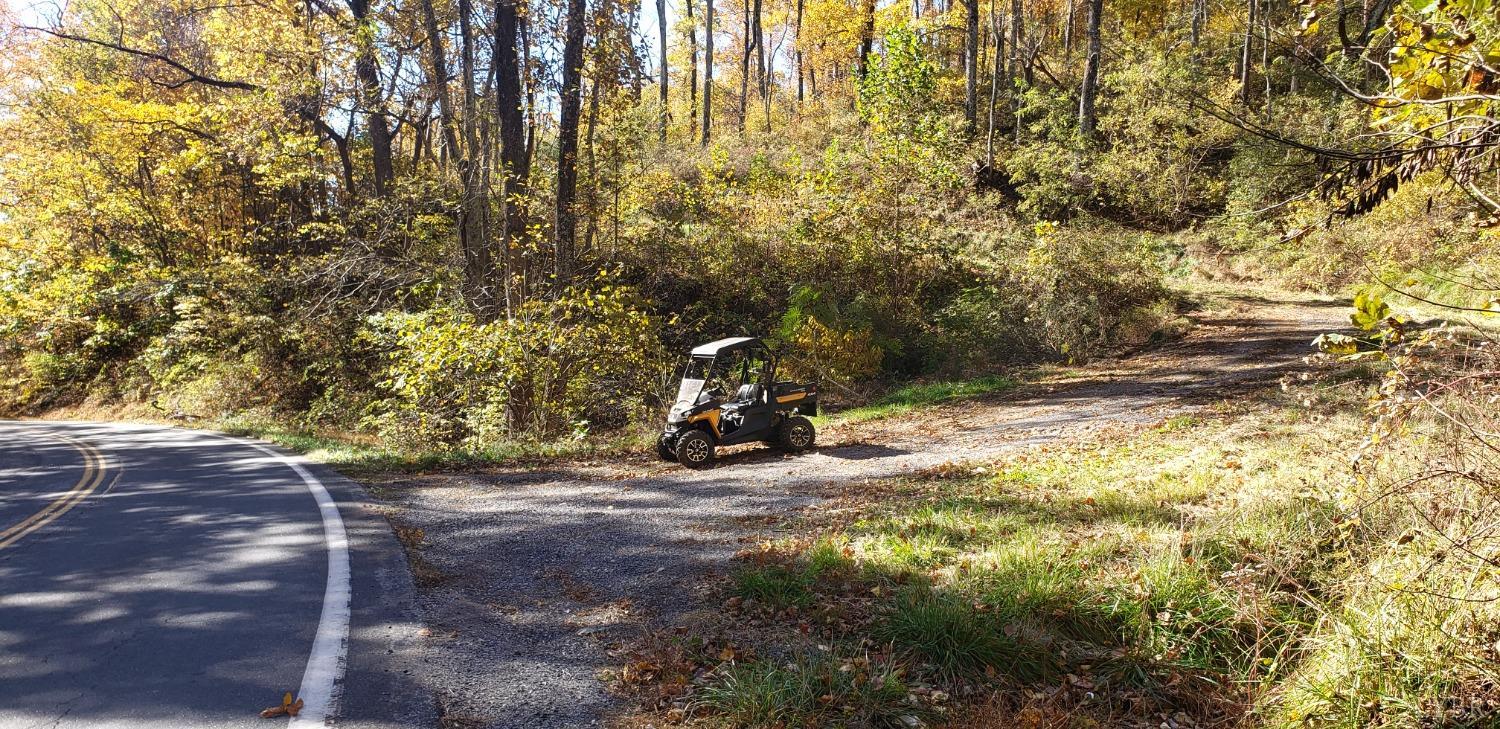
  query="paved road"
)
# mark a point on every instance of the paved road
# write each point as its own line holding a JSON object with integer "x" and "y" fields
{"x": 163, "y": 577}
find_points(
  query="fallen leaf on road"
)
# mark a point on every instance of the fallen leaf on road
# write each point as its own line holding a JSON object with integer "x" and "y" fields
{"x": 287, "y": 708}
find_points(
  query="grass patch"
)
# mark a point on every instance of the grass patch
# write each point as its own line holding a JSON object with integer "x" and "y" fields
{"x": 775, "y": 585}
{"x": 816, "y": 689}
{"x": 911, "y": 397}
{"x": 949, "y": 633}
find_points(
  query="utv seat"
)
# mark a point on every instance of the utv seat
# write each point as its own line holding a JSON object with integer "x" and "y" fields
{"x": 744, "y": 397}
{"x": 748, "y": 394}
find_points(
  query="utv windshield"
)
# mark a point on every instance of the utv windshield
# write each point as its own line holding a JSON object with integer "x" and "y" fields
{"x": 698, "y": 372}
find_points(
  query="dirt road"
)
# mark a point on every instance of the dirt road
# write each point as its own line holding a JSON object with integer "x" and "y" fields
{"x": 525, "y": 578}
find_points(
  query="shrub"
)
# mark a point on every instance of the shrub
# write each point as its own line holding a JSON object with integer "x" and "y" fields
{"x": 558, "y": 366}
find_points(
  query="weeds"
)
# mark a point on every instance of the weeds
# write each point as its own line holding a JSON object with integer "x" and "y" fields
{"x": 775, "y": 585}
{"x": 811, "y": 690}
{"x": 950, "y": 634}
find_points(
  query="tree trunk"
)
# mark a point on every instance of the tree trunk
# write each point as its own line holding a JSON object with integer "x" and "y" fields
{"x": 762, "y": 72}
{"x": 971, "y": 65}
{"x": 1014, "y": 72}
{"x": 514, "y": 162}
{"x": 1200, "y": 14}
{"x": 528, "y": 81}
{"x": 439, "y": 60}
{"x": 1067, "y": 38}
{"x": 797, "y": 51}
{"x": 591, "y": 123}
{"x": 471, "y": 228}
{"x": 747, "y": 46}
{"x": 989, "y": 147}
{"x": 603, "y": 68}
{"x": 1017, "y": 33}
{"x": 1265, "y": 53}
{"x": 479, "y": 273}
{"x": 866, "y": 36}
{"x": 708, "y": 70}
{"x": 565, "y": 220}
{"x": 367, "y": 70}
{"x": 1245, "y": 53}
{"x": 1090, "y": 88}
{"x": 661, "y": 93}
{"x": 692, "y": 38}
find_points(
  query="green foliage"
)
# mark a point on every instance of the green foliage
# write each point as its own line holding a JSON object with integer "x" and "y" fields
{"x": 1370, "y": 311}
{"x": 911, "y": 130}
{"x": 588, "y": 359}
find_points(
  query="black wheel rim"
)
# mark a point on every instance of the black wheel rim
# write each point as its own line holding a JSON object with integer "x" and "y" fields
{"x": 800, "y": 436}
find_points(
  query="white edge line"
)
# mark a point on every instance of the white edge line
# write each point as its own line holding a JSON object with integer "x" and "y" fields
{"x": 322, "y": 679}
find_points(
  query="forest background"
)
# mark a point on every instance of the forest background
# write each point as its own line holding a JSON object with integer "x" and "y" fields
{"x": 477, "y": 229}
{"x": 447, "y": 224}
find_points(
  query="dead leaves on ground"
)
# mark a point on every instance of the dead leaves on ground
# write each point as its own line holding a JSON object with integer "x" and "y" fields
{"x": 288, "y": 707}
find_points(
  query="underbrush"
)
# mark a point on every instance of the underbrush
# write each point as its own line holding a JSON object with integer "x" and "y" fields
{"x": 1219, "y": 568}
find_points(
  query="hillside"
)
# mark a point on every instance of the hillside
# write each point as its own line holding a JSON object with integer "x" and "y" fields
{"x": 1152, "y": 343}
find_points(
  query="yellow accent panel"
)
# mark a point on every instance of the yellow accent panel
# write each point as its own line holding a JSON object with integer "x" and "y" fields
{"x": 712, "y": 416}
{"x": 792, "y": 397}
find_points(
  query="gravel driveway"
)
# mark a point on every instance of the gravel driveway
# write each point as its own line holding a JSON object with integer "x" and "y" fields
{"x": 525, "y": 578}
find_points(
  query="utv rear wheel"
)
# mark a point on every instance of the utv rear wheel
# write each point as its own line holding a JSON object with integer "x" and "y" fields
{"x": 797, "y": 434}
{"x": 695, "y": 449}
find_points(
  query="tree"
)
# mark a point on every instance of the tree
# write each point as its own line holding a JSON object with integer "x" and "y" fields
{"x": 995, "y": 76}
{"x": 661, "y": 22}
{"x": 1090, "y": 88}
{"x": 1246, "y": 51}
{"x": 1017, "y": 35}
{"x": 478, "y": 262}
{"x": 1200, "y": 16}
{"x": 797, "y": 51}
{"x": 762, "y": 72}
{"x": 514, "y": 159}
{"x": 708, "y": 70}
{"x": 692, "y": 74}
{"x": 971, "y": 63}
{"x": 474, "y": 208}
{"x": 565, "y": 220}
{"x": 751, "y": 42}
{"x": 367, "y": 68}
{"x": 866, "y": 35}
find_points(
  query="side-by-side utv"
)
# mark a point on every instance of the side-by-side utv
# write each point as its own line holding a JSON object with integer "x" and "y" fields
{"x": 761, "y": 408}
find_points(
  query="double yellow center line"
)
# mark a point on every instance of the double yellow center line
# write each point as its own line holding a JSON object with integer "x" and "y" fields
{"x": 93, "y": 474}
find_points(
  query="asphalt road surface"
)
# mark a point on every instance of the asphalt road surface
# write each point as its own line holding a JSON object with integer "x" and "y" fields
{"x": 159, "y": 577}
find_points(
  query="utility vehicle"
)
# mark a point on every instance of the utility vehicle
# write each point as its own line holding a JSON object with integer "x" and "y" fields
{"x": 761, "y": 409}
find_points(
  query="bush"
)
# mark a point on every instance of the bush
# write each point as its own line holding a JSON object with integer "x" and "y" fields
{"x": 588, "y": 358}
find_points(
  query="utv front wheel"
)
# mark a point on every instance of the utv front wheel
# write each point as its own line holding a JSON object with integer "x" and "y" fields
{"x": 695, "y": 449}
{"x": 797, "y": 434}
{"x": 664, "y": 450}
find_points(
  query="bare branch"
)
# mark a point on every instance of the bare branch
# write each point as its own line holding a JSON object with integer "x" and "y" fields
{"x": 191, "y": 76}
